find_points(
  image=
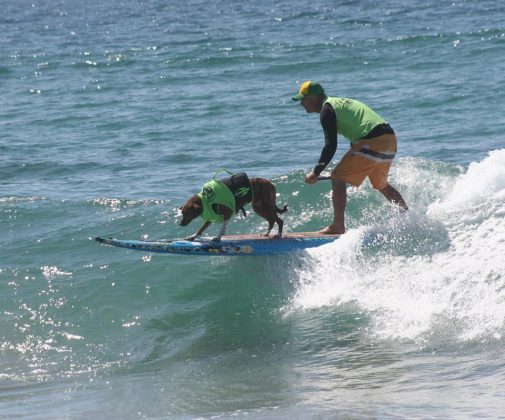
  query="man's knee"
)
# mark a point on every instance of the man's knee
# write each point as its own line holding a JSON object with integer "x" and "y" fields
{"x": 338, "y": 184}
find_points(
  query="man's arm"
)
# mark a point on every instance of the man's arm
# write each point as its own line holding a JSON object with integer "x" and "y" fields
{"x": 329, "y": 124}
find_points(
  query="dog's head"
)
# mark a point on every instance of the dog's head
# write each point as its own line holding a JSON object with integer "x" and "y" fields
{"x": 191, "y": 210}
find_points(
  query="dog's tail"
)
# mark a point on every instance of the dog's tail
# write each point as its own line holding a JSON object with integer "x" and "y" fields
{"x": 283, "y": 210}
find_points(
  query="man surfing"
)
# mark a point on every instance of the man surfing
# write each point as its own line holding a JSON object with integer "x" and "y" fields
{"x": 373, "y": 148}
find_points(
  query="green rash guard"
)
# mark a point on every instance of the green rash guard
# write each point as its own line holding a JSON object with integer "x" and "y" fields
{"x": 354, "y": 119}
{"x": 215, "y": 192}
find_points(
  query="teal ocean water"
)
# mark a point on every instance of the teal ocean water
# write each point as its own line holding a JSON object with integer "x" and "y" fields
{"x": 112, "y": 114}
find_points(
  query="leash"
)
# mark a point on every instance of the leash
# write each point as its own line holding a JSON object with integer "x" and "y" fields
{"x": 319, "y": 178}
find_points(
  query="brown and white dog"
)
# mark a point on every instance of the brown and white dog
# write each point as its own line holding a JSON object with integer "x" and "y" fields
{"x": 262, "y": 200}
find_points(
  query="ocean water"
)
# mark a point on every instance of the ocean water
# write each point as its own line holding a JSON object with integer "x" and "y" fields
{"x": 112, "y": 114}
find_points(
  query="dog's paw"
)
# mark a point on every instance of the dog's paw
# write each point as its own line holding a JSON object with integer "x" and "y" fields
{"x": 216, "y": 239}
{"x": 191, "y": 238}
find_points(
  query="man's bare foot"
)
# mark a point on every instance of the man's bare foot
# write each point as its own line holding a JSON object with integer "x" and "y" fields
{"x": 330, "y": 230}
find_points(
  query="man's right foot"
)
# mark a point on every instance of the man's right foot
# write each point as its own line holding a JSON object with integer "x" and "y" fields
{"x": 330, "y": 230}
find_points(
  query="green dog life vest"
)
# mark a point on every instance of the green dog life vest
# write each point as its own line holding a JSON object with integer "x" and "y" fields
{"x": 233, "y": 192}
{"x": 354, "y": 119}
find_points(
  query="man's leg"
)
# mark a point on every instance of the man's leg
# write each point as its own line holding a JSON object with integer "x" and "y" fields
{"x": 339, "y": 201}
{"x": 392, "y": 194}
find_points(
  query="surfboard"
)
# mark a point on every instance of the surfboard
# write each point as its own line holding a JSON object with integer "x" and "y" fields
{"x": 238, "y": 245}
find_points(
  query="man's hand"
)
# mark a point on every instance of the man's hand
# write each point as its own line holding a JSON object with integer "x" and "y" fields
{"x": 311, "y": 178}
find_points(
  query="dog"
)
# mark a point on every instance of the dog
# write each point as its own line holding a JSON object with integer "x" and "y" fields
{"x": 215, "y": 204}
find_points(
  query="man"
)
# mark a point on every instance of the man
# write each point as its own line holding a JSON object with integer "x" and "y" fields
{"x": 373, "y": 147}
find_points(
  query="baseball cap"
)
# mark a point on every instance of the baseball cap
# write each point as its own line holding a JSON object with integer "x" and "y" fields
{"x": 308, "y": 88}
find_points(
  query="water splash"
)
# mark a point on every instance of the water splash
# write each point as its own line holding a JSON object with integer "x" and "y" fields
{"x": 427, "y": 278}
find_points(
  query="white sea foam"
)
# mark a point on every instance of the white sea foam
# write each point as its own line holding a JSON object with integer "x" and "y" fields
{"x": 452, "y": 287}
{"x": 479, "y": 187}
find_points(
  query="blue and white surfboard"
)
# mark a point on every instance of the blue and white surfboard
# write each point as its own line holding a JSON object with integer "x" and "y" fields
{"x": 229, "y": 245}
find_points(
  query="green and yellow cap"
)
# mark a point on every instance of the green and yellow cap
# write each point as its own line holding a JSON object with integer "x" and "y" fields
{"x": 308, "y": 88}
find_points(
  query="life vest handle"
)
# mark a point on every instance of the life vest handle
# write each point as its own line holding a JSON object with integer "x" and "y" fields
{"x": 222, "y": 170}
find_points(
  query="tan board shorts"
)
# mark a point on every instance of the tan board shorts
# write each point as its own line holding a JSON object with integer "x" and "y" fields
{"x": 368, "y": 158}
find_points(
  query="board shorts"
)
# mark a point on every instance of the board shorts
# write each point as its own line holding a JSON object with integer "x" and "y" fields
{"x": 370, "y": 158}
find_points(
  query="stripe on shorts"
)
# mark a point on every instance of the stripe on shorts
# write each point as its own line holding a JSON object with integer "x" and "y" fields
{"x": 375, "y": 156}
